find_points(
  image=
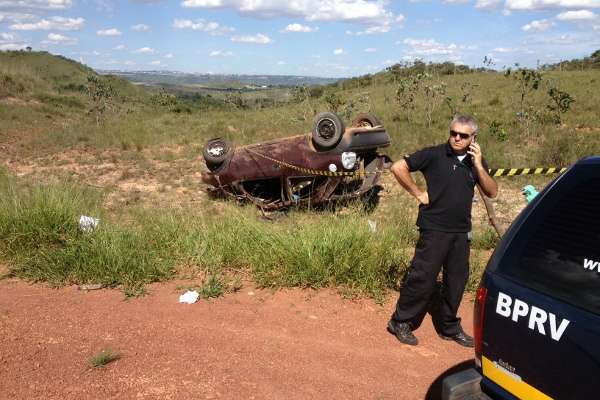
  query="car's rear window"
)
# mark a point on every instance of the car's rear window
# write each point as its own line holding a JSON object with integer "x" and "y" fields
{"x": 557, "y": 249}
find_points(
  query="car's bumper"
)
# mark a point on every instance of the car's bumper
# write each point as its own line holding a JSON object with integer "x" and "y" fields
{"x": 464, "y": 385}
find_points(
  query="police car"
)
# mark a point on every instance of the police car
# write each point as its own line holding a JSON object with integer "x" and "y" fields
{"x": 537, "y": 309}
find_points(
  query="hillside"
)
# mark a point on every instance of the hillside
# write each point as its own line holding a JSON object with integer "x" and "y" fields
{"x": 75, "y": 143}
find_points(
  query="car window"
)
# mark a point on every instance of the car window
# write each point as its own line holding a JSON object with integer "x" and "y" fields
{"x": 557, "y": 249}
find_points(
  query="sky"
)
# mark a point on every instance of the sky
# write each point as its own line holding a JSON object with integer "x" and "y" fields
{"x": 328, "y": 38}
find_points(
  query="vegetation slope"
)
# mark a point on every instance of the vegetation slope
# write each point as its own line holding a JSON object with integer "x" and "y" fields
{"x": 61, "y": 118}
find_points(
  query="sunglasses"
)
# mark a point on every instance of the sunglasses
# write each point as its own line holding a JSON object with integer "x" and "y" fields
{"x": 462, "y": 135}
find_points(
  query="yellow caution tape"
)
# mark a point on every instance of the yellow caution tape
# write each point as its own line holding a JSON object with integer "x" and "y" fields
{"x": 361, "y": 172}
{"x": 526, "y": 171}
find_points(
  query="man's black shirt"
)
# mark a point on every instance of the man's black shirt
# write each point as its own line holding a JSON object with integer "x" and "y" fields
{"x": 450, "y": 187}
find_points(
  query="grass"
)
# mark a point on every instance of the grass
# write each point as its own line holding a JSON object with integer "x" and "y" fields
{"x": 139, "y": 242}
{"x": 41, "y": 239}
{"x": 104, "y": 357}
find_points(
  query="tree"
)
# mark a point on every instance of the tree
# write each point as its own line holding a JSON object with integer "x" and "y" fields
{"x": 527, "y": 81}
{"x": 560, "y": 102}
{"x": 101, "y": 94}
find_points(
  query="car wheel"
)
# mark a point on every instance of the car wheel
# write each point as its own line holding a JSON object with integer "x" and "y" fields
{"x": 365, "y": 120}
{"x": 216, "y": 151}
{"x": 327, "y": 131}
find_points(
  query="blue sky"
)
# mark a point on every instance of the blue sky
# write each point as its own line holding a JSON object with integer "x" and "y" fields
{"x": 333, "y": 38}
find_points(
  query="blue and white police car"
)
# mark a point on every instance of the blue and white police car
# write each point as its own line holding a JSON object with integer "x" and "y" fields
{"x": 537, "y": 310}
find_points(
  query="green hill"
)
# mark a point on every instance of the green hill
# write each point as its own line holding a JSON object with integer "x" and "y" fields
{"x": 27, "y": 74}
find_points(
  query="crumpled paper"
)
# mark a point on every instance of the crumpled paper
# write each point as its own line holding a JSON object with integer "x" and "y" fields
{"x": 189, "y": 297}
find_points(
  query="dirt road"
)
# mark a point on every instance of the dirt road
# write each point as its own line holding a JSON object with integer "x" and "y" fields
{"x": 254, "y": 344}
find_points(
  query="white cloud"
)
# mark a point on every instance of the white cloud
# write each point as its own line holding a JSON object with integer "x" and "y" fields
{"x": 140, "y": 28}
{"x": 338, "y": 52}
{"x": 220, "y": 53}
{"x": 155, "y": 62}
{"x": 56, "y": 38}
{"x": 505, "y": 50}
{"x": 371, "y": 30}
{"x": 259, "y": 38}
{"x": 561, "y": 40}
{"x": 15, "y": 17}
{"x": 109, "y": 32}
{"x": 547, "y": 4}
{"x": 368, "y": 12}
{"x": 370, "y": 50}
{"x": 212, "y": 28}
{"x": 145, "y": 50}
{"x": 52, "y": 23}
{"x": 432, "y": 49}
{"x": 37, "y": 4}
{"x": 12, "y": 46}
{"x": 119, "y": 47}
{"x": 7, "y": 36}
{"x": 10, "y": 41}
{"x": 538, "y": 25}
{"x": 300, "y": 28}
{"x": 580, "y": 15}
{"x": 596, "y": 27}
{"x": 128, "y": 62}
{"x": 487, "y": 4}
{"x": 281, "y": 63}
{"x": 168, "y": 55}
{"x": 426, "y": 47}
{"x": 384, "y": 26}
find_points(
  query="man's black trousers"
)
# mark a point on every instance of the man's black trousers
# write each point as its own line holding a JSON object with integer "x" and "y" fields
{"x": 435, "y": 250}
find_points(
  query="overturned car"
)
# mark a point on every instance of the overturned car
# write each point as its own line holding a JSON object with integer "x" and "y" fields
{"x": 329, "y": 166}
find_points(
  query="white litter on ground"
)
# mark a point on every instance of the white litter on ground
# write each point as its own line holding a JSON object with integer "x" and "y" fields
{"x": 88, "y": 224}
{"x": 372, "y": 226}
{"x": 189, "y": 297}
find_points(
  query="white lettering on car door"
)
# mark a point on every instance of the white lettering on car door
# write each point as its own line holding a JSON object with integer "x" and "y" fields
{"x": 557, "y": 333}
{"x": 591, "y": 265}
{"x": 538, "y": 317}
{"x": 503, "y": 304}
{"x": 520, "y": 309}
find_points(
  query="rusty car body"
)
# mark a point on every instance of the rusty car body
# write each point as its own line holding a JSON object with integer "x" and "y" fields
{"x": 332, "y": 165}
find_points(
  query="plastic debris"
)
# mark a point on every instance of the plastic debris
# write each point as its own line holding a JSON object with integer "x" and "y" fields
{"x": 529, "y": 192}
{"x": 372, "y": 225}
{"x": 88, "y": 224}
{"x": 189, "y": 297}
{"x": 91, "y": 286}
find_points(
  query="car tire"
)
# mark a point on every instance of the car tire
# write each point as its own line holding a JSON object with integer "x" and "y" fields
{"x": 365, "y": 120}
{"x": 328, "y": 129}
{"x": 216, "y": 151}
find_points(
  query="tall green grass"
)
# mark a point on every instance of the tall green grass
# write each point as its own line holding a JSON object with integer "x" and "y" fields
{"x": 41, "y": 240}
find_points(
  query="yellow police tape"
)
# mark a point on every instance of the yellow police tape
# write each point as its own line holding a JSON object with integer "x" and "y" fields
{"x": 361, "y": 172}
{"x": 526, "y": 171}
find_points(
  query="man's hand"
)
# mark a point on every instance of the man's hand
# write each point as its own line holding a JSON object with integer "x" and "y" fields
{"x": 401, "y": 172}
{"x": 487, "y": 184}
{"x": 475, "y": 152}
{"x": 423, "y": 198}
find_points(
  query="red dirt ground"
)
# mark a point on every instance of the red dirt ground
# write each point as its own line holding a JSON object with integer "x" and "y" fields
{"x": 254, "y": 344}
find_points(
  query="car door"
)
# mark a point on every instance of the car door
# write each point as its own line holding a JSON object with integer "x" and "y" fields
{"x": 541, "y": 336}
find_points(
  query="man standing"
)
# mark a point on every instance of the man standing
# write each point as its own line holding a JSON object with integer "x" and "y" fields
{"x": 451, "y": 171}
